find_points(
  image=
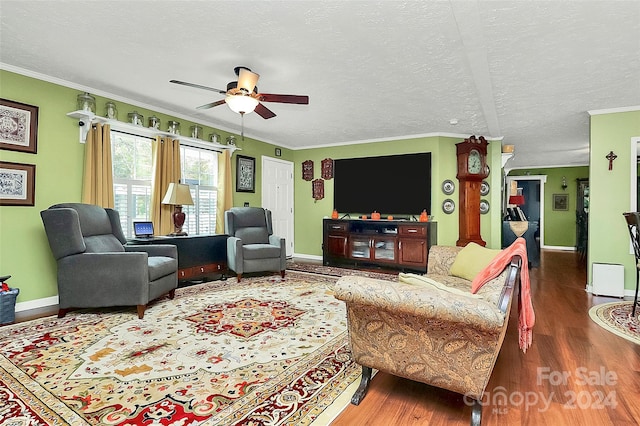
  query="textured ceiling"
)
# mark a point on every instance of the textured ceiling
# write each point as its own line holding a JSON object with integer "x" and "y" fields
{"x": 525, "y": 73}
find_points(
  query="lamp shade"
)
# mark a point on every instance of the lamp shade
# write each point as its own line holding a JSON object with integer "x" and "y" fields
{"x": 178, "y": 194}
{"x": 242, "y": 104}
{"x": 247, "y": 80}
{"x": 518, "y": 200}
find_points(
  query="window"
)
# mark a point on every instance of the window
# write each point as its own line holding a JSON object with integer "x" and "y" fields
{"x": 132, "y": 178}
{"x": 132, "y": 167}
{"x": 200, "y": 171}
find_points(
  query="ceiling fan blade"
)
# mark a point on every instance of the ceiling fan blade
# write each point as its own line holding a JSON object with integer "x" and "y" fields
{"x": 284, "y": 99}
{"x": 197, "y": 86}
{"x": 247, "y": 79}
{"x": 211, "y": 105}
{"x": 264, "y": 112}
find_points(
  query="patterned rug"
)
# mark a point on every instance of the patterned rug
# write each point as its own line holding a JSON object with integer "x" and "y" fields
{"x": 265, "y": 351}
{"x": 616, "y": 318}
{"x": 334, "y": 271}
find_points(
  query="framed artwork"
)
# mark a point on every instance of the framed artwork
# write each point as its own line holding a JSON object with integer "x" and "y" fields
{"x": 307, "y": 170}
{"x": 560, "y": 201}
{"x": 278, "y": 152}
{"x": 17, "y": 184}
{"x": 318, "y": 189}
{"x": 245, "y": 174}
{"x": 18, "y": 126}
{"x": 327, "y": 169}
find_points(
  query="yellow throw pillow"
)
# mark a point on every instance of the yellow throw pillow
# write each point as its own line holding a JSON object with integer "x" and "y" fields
{"x": 472, "y": 259}
{"x": 422, "y": 281}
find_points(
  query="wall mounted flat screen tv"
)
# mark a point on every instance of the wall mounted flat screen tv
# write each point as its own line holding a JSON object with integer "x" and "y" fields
{"x": 391, "y": 185}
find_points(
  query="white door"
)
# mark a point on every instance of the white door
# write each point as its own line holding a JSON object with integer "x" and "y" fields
{"x": 277, "y": 196}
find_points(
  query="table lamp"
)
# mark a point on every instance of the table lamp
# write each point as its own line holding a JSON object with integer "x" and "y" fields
{"x": 517, "y": 200}
{"x": 178, "y": 194}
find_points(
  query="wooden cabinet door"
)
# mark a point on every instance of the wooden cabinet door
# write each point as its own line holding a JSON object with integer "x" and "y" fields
{"x": 337, "y": 245}
{"x": 412, "y": 252}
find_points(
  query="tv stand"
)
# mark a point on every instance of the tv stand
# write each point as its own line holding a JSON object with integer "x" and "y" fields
{"x": 397, "y": 244}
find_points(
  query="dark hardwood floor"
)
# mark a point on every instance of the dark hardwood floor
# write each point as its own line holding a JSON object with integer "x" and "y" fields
{"x": 574, "y": 373}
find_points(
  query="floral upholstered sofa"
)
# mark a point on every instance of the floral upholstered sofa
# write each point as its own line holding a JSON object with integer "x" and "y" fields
{"x": 431, "y": 328}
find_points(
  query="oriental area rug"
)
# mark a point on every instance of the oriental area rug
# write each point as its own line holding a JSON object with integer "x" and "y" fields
{"x": 616, "y": 318}
{"x": 335, "y": 271}
{"x": 265, "y": 351}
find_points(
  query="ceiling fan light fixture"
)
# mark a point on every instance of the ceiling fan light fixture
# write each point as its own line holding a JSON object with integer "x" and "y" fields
{"x": 247, "y": 80}
{"x": 241, "y": 104}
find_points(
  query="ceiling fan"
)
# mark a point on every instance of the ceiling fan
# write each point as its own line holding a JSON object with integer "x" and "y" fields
{"x": 242, "y": 95}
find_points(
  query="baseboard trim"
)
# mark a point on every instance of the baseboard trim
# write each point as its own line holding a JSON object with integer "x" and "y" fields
{"x": 627, "y": 293}
{"x": 307, "y": 256}
{"x": 562, "y": 248}
{"x": 46, "y": 302}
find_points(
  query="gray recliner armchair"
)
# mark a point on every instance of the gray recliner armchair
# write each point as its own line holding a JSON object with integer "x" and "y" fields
{"x": 251, "y": 246}
{"x": 95, "y": 267}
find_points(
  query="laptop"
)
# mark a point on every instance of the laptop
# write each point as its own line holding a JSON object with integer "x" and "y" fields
{"x": 143, "y": 229}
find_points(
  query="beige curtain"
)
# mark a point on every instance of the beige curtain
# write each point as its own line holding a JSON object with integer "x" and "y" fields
{"x": 166, "y": 169}
{"x": 97, "y": 182}
{"x": 225, "y": 189}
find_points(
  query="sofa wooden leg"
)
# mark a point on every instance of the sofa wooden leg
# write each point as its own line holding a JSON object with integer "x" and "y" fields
{"x": 62, "y": 312}
{"x": 364, "y": 385}
{"x": 172, "y": 294}
{"x": 141, "y": 309}
{"x": 282, "y": 273}
{"x": 476, "y": 413}
{"x": 239, "y": 277}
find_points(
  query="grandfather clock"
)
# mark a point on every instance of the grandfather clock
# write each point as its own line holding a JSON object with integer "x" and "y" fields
{"x": 472, "y": 169}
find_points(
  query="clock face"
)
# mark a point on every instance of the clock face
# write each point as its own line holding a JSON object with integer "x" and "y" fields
{"x": 474, "y": 164}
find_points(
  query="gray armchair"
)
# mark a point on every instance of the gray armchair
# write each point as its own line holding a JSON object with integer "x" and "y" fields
{"x": 251, "y": 246}
{"x": 95, "y": 267}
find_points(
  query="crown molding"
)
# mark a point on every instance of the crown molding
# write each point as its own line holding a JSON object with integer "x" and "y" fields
{"x": 111, "y": 96}
{"x": 108, "y": 95}
{"x": 613, "y": 110}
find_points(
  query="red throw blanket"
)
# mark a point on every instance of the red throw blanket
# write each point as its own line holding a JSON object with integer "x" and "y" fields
{"x": 525, "y": 308}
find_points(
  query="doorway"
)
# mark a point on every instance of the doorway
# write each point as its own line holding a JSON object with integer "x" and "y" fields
{"x": 277, "y": 196}
{"x": 533, "y": 191}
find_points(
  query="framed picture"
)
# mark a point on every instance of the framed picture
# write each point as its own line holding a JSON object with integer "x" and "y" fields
{"x": 17, "y": 184}
{"x": 245, "y": 174}
{"x": 560, "y": 201}
{"x": 278, "y": 152}
{"x": 18, "y": 126}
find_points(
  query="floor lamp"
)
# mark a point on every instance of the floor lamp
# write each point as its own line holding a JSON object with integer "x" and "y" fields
{"x": 178, "y": 195}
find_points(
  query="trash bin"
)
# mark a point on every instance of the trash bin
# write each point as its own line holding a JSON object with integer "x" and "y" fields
{"x": 7, "y": 301}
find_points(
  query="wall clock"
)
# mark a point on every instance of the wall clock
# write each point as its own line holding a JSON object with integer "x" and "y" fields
{"x": 472, "y": 169}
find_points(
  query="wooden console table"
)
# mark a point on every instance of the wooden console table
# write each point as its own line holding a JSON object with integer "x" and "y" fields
{"x": 386, "y": 243}
{"x": 199, "y": 256}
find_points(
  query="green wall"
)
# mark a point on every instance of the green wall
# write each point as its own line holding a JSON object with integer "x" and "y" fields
{"x": 559, "y": 226}
{"x": 309, "y": 212}
{"x": 610, "y": 191}
{"x": 24, "y": 250}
